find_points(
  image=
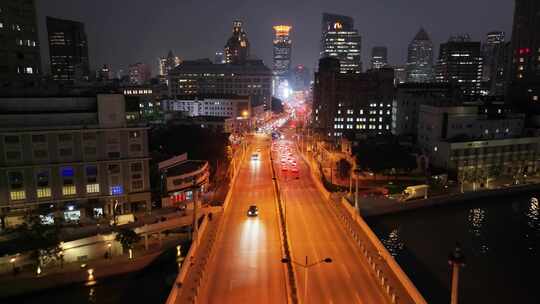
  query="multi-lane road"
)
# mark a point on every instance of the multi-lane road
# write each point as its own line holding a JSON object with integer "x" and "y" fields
{"x": 247, "y": 267}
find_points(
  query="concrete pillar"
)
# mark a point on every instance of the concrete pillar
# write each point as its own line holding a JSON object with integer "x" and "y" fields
{"x": 146, "y": 241}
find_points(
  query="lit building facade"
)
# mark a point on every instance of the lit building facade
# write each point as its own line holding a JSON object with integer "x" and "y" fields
{"x": 237, "y": 47}
{"x": 68, "y": 50}
{"x": 219, "y": 57}
{"x": 400, "y": 74}
{"x": 524, "y": 74}
{"x": 228, "y": 106}
{"x": 71, "y": 157}
{"x": 340, "y": 40}
{"x": 379, "y": 57}
{"x": 201, "y": 77}
{"x": 20, "y": 59}
{"x": 139, "y": 73}
{"x": 166, "y": 64}
{"x": 460, "y": 63}
{"x": 281, "y": 63}
{"x": 420, "y": 58}
{"x": 495, "y": 53}
{"x": 352, "y": 103}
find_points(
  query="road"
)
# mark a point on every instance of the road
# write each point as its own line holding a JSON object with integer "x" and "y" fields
{"x": 316, "y": 232}
{"x": 247, "y": 267}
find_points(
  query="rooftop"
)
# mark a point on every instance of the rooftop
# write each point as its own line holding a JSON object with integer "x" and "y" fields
{"x": 186, "y": 167}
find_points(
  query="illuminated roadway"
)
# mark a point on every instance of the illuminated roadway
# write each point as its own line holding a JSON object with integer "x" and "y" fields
{"x": 247, "y": 267}
{"x": 315, "y": 231}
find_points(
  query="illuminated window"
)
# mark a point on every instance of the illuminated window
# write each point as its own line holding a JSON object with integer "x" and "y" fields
{"x": 117, "y": 190}
{"x": 17, "y": 195}
{"x": 535, "y": 98}
{"x": 43, "y": 192}
{"x": 69, "y": 190}
{"x": 92, "y": 188}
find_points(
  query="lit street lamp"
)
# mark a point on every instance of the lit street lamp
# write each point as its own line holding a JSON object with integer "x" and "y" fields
{"x": 109, "y": 246}
{"x": 306, "y": 266}
{"x": 12, "y": 262}
{"x": 456, "y": 259}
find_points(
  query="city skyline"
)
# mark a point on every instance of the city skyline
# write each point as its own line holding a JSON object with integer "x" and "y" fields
{"x": 376, "y": 27}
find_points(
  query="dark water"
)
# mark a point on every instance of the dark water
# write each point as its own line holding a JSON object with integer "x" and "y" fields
{"x": 500, "y": 238}
{"x": 149, "y": 285}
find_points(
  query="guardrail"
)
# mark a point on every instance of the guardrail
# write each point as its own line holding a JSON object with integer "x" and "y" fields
{"x": 393, "y": 281}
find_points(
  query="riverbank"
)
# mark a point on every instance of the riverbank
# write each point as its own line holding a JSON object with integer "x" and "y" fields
{"x": 381, "y": 206}
{"x": 27, "y": 282}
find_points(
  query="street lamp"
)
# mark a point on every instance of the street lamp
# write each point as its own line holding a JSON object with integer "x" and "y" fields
{"x": 109, "y": 246}
{"x": 61, "y": 254}
{"x": 306, "y": 266}
{"x": 12, "y": 262}
{"x": 456, "y": 259}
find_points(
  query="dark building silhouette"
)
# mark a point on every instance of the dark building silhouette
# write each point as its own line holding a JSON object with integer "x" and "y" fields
{"x": 340, "y": 40}
{"x": 524, "y": 73}
{"x": 379, "y": 57}
{"x": 495, "y": 61}
{"x": 237, "y": 47}
{"x": 20, "y": 59}
{"x": 68, "y": 50}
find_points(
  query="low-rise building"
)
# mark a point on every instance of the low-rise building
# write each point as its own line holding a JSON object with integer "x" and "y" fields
{"x": 71, "y": 157}
{"x": 228, "y": 106}
{"x": 474, "y": 140}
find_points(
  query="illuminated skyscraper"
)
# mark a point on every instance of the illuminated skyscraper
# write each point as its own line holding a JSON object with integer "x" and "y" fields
{"x": 282, "y": 50}
{"x": 166, "y": 64}
{"x": 340, "y": 40}
{"x": 420, "y": 58}
{"x": 379, "y": 57}
{"x": 495, "y": 53}
{"x": 460, "y": 63}
{"x": 237, "y": 47}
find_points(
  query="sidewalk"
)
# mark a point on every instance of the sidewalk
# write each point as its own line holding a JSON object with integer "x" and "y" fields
{"x": 27, "y": 281}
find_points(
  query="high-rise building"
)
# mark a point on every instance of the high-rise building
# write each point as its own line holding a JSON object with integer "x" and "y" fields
{"x": 352, "y": 103}
{"x": 340, "y": 40}
{"x": 68, "y": 50}
{"x": 166, "y": 64}
{"x": 400, "y": 74}
{"x": 525, "y": 51}
{"x": 219, "y": 58}
{"x": 495, "y": 52}
{"x": 20, "y": 59}
{"x": 420, "y": 58}
{"x": 139, "y": 73}
{"x": 202, "y": 76}
{"x": 379, "y": 57}
{"x": 460, "y": 63}
{"x": 237, "y": 47}
{"x": 282, "y": 50}
{"x": 300, "y": 78}
{"x": 104, "y": 74}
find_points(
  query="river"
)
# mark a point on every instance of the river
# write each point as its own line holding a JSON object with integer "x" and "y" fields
{"x": 149, "y": 285}
{"x": 500, "y": 238}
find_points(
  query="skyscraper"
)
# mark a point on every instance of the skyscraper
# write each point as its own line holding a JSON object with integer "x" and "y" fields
{"x": 460, "y": 63}
{"x": 139, "y": 73}
{"x": 282, "y": 50}
{"x": 237, "y": 47}
{"x": 219, "y": 58}
{"x": 340, "y": 40}
{"x": 525, "y": 51}
{"x": 68, "y": 50}
{"x": 379, "y": 57}
{"x": 420, "y": 58}
{"x": 166, "y": 64}
{"x": 20, "y": 59}
{"x": 494, "y": 51}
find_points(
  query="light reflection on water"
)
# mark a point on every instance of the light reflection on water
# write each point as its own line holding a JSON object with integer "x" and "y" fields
{"x": 532, "y": 214}
{"x": 477, "y": 220}
{"x": 393, "y": 243}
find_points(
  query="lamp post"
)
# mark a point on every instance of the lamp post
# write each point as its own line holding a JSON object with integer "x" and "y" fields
{"x": 356, "y": 172}
{"x": 12, "y": 262}
{"x": 61, "y": 254}
{"x": 306, "y": 266}
{"x": 456, "y": 259}
{"x": 109, "y": 247}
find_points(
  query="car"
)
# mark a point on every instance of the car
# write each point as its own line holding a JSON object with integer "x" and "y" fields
{"x": 253, "y": 210}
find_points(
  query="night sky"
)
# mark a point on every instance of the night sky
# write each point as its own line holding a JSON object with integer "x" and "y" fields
{"x": 121, "y": 32}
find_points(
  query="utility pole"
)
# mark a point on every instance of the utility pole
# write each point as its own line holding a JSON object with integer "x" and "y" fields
{"x": 456, "y": 259}
{"x": 195, "y": 220}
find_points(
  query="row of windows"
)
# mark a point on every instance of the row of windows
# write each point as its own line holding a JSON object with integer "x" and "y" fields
{"x": 66, "y": 137}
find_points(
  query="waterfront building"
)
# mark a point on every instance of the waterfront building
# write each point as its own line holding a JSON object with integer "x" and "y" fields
{"x": 71, "y": 157}
{"x": 340, "y": 40}
{"x": 477, "y": 141}
{"x": 379, "y": 57}
{"x": 20, "y": 59}
{"x": 352, "y": 103}
{"x": 139, "y": 73}
{"x": 237, "y": 47}
{"x": 420, "y": 58}
{"x": 68, "y": 50}
{"x": 460, "y": 63}
{"x": 198, "y": 77}
{"x": 525, "y": 59}
{"x": 409, "y": 98}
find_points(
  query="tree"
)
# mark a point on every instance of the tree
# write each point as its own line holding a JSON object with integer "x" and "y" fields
{"x": 127, "y": 238}
{"x": 344, "y": 168}
{"x": 44, "y": 238}
{"x": 385, "y": 157}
